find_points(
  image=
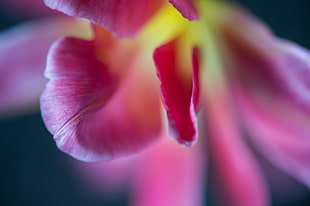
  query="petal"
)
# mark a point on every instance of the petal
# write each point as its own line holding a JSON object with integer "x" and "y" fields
{"x": 285, "y": 143}
{"x": 168, "y": 174}
{"x": 96, "y": 106}
{"x": 23, "y": 51}
{"x": 234, "y": 166}
{"x": 179, "y": 91}
{"x": 123, "y": 18}
{"x": 268, "y": 66}
{"x": 186, "y": 8}
{"x": 270, "y": 78}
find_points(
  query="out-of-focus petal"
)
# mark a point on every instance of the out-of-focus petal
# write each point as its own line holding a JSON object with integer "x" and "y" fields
{"x": 268, "y": 66}
{"x": 271, "y": 79}
{"x": 186, "y": 8}
{"x": 285, "y": 143}
{"x": 179, "y": 90}
{"x": 96, "y": 107}
{"x": 237, "y": 174}
{"x": 123, "y": 18}
{"x": 23, "y": 51}
{"x": 168, "y": 174}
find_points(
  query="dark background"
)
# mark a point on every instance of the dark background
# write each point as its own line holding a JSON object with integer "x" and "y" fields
{"x": 34, "y": 172}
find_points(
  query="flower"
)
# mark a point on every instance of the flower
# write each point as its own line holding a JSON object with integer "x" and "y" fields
{"x": 118, "y": 94}
{"x": 102, "y": 99}
{"x": 100, "y": 108}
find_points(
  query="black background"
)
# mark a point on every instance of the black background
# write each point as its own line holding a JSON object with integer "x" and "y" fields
{"x": 34, "y": 172}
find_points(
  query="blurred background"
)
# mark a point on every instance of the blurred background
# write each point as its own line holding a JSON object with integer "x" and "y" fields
{"x": 34, "y": 172}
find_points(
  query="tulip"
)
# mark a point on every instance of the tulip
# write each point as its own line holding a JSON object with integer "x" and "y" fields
{"x": 109, "y": 97}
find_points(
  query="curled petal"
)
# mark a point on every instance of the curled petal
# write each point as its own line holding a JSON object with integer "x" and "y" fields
{"x": 23, "y": 51}
{"x": 123, "y": 18}
{"x": 179, "y": 92}
{"x": 168, "y": 174}
{"x": 271, "y": 80}
{"x": 186, "y": 8}
{"x": 93, "y": 113}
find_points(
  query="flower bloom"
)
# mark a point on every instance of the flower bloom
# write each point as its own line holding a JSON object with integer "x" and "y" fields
{"x": 102, "y": 100}
{"x": 87, "y": 115}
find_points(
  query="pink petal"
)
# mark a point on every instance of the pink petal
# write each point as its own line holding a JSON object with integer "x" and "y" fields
{"x": 186, "y": 8}
{"x": 270, "y": 77}
{"x": 237, "y": 173}
{"x": 283, "y": 139}
{"x": 123, "y": 18}
{"x": 179, "y": 92}
{"x": 268, "y": 66}
{"x": 168, "y": 174}
{"x": 98, "y": 107}
{"x": 23, "y": 51}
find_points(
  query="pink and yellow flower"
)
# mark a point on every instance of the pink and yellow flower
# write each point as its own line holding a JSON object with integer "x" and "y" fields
{"x": 109, "y": 97}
